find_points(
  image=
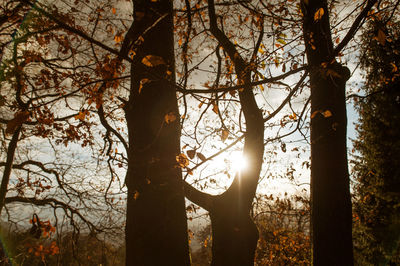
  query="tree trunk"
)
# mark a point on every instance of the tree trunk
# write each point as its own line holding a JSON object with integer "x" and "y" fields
{"x": 234, "y": 233}
{"x": 12, "y": 146}
{"x": 330, "y": 190}
{"x": 156, "y": 225}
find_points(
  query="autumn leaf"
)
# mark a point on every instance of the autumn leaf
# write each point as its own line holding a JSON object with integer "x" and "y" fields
{"x": 293, "y": 116}
{"x": 381, "y": 37}
{"x": 314, "y": 114}
{"x": 318, "y": 15}
{"x": 80, "y": 116}
{"x": 114, "y": 11}
{"x": 170, "y": 117}
{"x": 142, "y": 82}
{"x": 201, "y": 157}
{"x": 281, "y": 41}
{"x": 224, "y": 134}
{"x": 327, "y": 113}
{"x": 136, "y": 195}
{"x": 191, "y": 153}
{"x": 182, "y": 160}
{"x": 153, "y": 60}
{"x": 283, "y": 147}
{"x": 118, "y": 38}
{"x": 17, "y": 121}
{"x": 215, "y": 108}
{"x": 395, "y": 69}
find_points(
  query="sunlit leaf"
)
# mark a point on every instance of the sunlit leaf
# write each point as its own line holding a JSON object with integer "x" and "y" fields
{"x": 136, "y": 195}
{"x": 182, "y": 160}
{"x": 394, "y": 67}
{"x": 153, "y": 60}
{"x": 170, "y": 117}
{"x": 142, "y": 82}
{"x": 281, "y": 41}
{"x": 118, "y": 38}
{"x": 80, "y": 116}
{"x": 293, "y": 116}
{"x": 318, "y": 15}
{"x": 327, "y": 113}
{"x": 215, "y": 108}
{"x": 314, "y": 114}
{"x": 224, "y": 134}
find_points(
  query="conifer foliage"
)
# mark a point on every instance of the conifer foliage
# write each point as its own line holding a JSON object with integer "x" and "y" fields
{"x": 376, "y": 170}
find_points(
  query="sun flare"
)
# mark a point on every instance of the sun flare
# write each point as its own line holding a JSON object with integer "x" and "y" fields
{"x": 237, "y": 161}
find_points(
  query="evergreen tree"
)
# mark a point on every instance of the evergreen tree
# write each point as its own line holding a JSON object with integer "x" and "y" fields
{"x": 377, "y": 164}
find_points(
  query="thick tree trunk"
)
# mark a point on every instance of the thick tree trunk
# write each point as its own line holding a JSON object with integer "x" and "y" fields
{"x": 234, "y": 234}
{"x": 156, "y": 226}
{"x": 330, "y": 190}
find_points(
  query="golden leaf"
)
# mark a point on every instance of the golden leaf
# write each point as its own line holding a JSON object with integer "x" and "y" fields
{"x": 395, "y": 69}
{"x": 153, "y": 60}
{"x": 142, "y": 82}
{"x": 318, "y": 15}
{"x": 224, "y": 134}
{"x": 215, "y": 108}
{"x": 170, "y": 117}
{"x": 327, "y": 113}
{"x": 80, "y": 116}
{"x": 118, "y": 38}
{"x": 281, "y": 41}
{"x": 182, "y": 160}
{"x": 314, "y": 114}
{"x": 293, "y": 116}
{"x": 136, "y": 195}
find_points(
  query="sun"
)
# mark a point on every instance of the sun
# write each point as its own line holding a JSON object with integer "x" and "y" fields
{"x": 236, "y": 161}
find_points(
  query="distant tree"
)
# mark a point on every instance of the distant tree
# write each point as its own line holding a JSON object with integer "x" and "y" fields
{"x": 284, "y": 225}
{"x": 377, "y": 147}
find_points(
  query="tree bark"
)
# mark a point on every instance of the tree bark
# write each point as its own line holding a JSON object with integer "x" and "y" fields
{"x": 12, "y": 146}
{"x": 156, "y": 225}
{"x": 234, "y": 233}
{"x": 331, "y": 215}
